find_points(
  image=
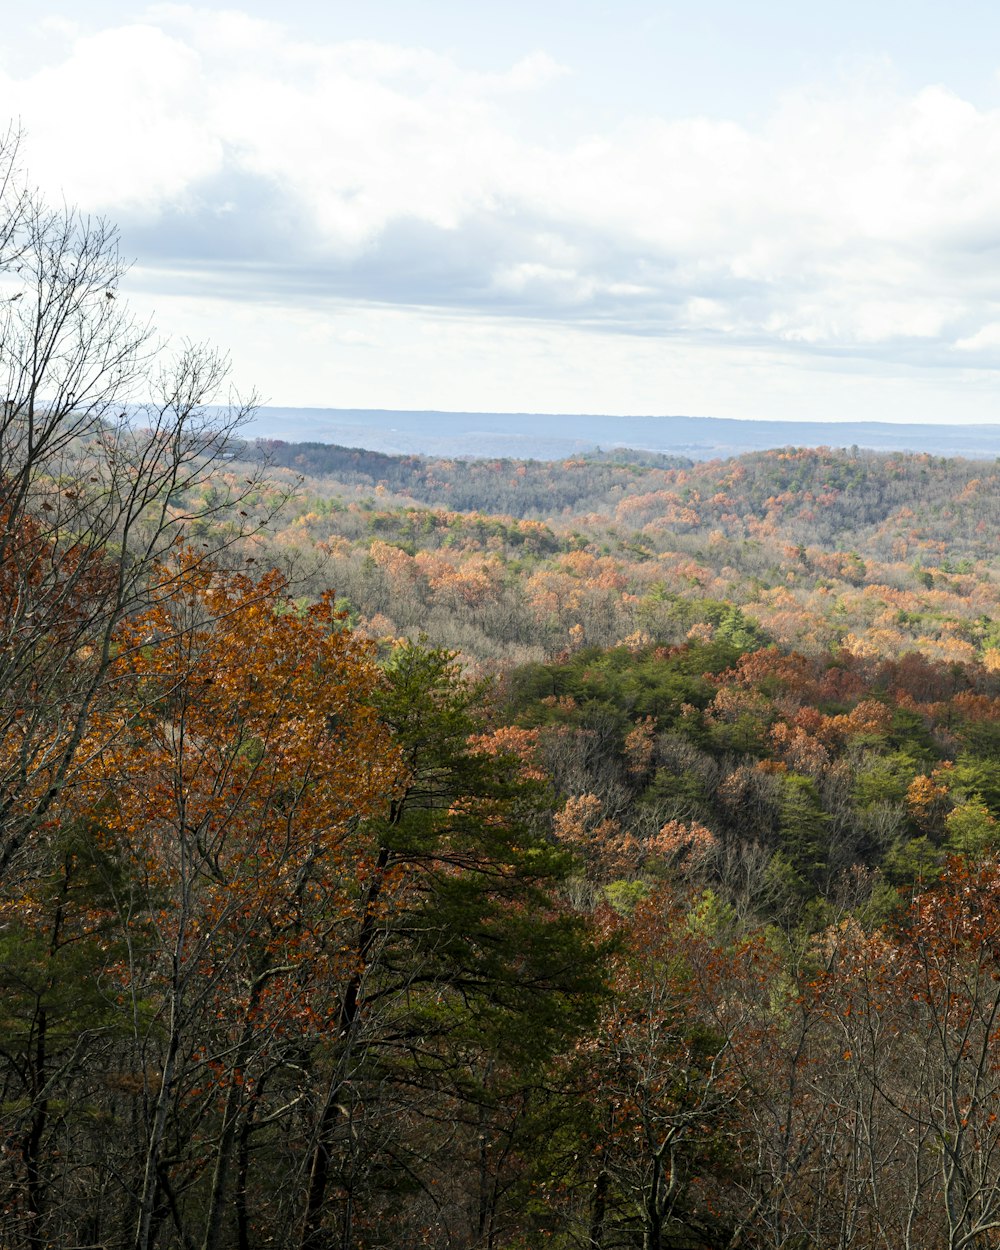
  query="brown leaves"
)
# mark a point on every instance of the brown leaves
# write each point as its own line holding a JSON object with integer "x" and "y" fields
{"x": 242, "y": 762}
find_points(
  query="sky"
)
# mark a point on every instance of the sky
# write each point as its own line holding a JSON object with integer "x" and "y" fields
{"x": 777, "y": 210}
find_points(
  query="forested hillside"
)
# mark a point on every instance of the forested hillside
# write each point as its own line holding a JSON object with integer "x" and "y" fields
{"x": 876, "y": 554}
{"x": 408, "y": 853}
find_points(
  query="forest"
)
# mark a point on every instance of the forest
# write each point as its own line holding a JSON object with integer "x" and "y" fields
{"x": 403, "y": 852}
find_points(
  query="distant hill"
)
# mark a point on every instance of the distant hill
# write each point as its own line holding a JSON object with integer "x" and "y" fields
{"x": 555, "y": 436}
{"x": 507, "y": 561}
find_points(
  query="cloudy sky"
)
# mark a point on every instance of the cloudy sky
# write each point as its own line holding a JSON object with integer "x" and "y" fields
{"x": 778, "y": 209}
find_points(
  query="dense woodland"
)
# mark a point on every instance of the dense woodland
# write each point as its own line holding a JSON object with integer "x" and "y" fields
{"x": 415, "y": 853}
{"x": 875, "y": 554}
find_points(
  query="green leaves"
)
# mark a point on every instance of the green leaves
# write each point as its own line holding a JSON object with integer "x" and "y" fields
{"x": 482, "y": 929}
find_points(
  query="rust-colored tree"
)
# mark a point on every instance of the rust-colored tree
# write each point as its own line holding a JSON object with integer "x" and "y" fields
{"x": 919, "y": 1014}
{"x": 233, "y": 784}
{"x": 666, "y": 1073}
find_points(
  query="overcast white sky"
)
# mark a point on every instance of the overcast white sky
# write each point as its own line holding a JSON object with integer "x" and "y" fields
{"x": 785, "y": 210}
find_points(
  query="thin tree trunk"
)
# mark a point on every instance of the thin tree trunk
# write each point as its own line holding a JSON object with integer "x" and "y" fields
{"x": 150, "y": 1183}
{"x": 598, "y": 1208}
{"x": 32, "y": 1145}
{"x": 242, "y": 1175}
{"x": 223, "y": 1156}
{"x": 319, "y": 1177}
{"x": 319, "y": 1173}
{"x": 652, "y": 1233}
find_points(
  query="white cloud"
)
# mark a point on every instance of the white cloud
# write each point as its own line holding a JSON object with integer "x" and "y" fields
{"x": 370, "y": 357}
{"x": 118, "y": 125}
{"x": 530, "y": 73}
{"x": 58, "y": 27}
{"x": 860, "y": 220}
{"x": 987, "y": 338}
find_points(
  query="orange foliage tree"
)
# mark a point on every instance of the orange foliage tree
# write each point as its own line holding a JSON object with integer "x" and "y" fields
{"x": 232, "y": 784}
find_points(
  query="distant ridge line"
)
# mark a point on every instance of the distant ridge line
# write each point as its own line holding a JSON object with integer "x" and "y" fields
{"x": 553, "y": 436}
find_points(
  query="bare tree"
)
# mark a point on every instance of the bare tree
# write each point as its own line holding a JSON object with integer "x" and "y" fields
{"x": 103, "y": 442}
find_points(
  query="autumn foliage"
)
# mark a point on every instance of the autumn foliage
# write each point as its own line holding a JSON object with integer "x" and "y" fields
{"x": 670, "y": 923}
